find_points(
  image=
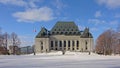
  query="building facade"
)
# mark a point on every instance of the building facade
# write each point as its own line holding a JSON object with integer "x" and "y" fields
{"x": 64, "y": 36}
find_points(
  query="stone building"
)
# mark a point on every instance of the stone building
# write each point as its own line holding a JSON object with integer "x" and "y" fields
{"x": 64, "y": 36}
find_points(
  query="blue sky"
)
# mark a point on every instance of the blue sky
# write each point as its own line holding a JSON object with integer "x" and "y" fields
{"x": 23, "y": 16}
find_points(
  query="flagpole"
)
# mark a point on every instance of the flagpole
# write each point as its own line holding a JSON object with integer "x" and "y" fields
{"x": 34, "y": 30}
{"x": 89, "y": 43}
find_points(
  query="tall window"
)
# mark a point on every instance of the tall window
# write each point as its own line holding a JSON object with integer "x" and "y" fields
{"x": 41, "y": 43}
{"x": 42, "y": 47}
{"x": 60, "y": 43}
{"x": 69, "y": 43}
{"x": 64, "y": 43}
{"x": 86, "y": 45}
{"x": 77, "y": 44}
{"x": 51, "y": 43}
{"x": 72, "y": 43}
{"x": 55, "y": 43}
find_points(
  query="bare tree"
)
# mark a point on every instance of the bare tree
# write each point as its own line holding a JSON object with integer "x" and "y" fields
{"x": 118, "y": 28}
{"x": 15, "y": 43}
{"x": 1, "y": 37}
{"x": 118, "y": 39}
{"x": 6, "y": 37}
{"x": 106, "y": 42}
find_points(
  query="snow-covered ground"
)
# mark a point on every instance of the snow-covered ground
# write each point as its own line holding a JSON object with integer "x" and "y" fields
{"x": 57, "y": 60}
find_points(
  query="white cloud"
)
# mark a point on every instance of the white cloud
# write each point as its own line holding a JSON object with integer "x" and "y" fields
{"x": 33, "y": 12}
{"x": 96, "y": 21}
{"x": 22, "y": 3}
{"x": 59, "y": 4}
{"x": 35, "y": 15}
{"x": 98, "y": 14}
{"x": 81, "y": 27}
{"x": 110, "y": 3}
{"x": 14, "y": 2}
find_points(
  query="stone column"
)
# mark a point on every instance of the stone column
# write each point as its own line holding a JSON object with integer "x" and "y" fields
{"x": 75, "y": 46}
{"x": 66, "y": 45}
{"x": 54, "y": 45}
{"x": 71, "y": 45}
{"x": 58, "y": 46}
{"x": 82, "y": 45}
{"x": 62, "y": 44}
{"x": 37, "y": 46}
{"x": 40, "y": 46}
{"x": 47, "y": 45}
{"x": 79, "y": 45}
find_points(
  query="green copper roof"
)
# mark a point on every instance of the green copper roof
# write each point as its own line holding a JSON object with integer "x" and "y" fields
{"x": 42, "y": 33}
{"x": 86, "y": 34}
{"x": 66, "y": 28}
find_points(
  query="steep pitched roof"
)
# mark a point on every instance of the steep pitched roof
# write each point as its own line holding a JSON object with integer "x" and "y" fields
{"x": 42, "y": 33}
{"x": 86, "y": 34}
{"x": 66, "y": 28}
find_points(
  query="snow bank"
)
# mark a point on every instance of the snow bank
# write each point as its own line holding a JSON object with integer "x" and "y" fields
{"x": 57, "y": 60}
